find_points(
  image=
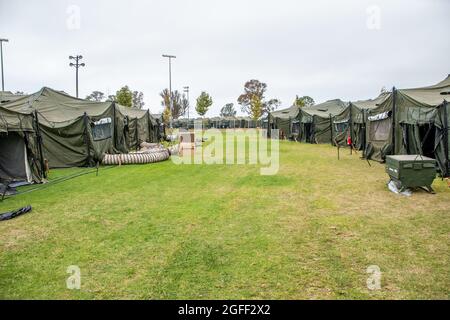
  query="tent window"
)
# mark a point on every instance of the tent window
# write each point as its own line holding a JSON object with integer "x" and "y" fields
{"x": 102, "y": 129}
{"x": 341, "y": 127}
{"x": 380, "y": 130}
{"x": 296, "y": 128}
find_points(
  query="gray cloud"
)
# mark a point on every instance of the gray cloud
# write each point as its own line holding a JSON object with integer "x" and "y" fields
{"x": 319, "y": 48}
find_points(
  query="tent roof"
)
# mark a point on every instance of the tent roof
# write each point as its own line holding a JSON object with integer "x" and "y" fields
{"x": 371, "y": 103}
{"x": 132, "y": 112}
{"x": 56, "y": 107}
{"x": 288, "y": 113}
{"x": 324, "y": 109}
{"x": 7, "y": 96}
{"x": 429, "y": 96}
{"x": 13, "y": 121}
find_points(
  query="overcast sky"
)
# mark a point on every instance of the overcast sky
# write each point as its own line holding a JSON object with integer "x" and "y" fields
{"x": 345, "y": 49}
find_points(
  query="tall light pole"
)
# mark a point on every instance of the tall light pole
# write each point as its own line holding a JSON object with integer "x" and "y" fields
{"x": 77, "y": 64}
{"x": 170, "y": 57}
{"x": 1, "y": 55}
{"x": 186, "y": 90}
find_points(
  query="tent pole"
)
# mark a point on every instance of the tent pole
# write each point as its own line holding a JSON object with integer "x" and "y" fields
{"x": 137, "y": 134}
{"x": 394, "y": 107}
{"x": 39, "y": 138}
{"x": 447, "y": 164}
{"x": 114, "y": 125}
{"x": 364, "y": 128}
{"x": 331, "y": 129}
{"x": 85, "y": 120}
{"x": 351, "y": 129}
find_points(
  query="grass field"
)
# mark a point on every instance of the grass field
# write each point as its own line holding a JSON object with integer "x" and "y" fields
{"x": 224, "y": 231}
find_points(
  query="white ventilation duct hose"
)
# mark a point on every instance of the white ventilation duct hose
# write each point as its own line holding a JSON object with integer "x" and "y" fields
{"x": 150, "y": 156}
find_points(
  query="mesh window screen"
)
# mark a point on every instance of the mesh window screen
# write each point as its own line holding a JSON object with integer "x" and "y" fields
{"x": 102, "y": 129}
{"x": 341, "y": 127}
{"x": 380, "y": 130}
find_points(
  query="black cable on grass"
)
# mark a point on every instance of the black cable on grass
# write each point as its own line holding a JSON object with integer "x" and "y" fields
{"x": 59, "y": 180}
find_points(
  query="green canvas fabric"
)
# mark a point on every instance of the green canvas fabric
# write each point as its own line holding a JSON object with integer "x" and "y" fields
{"x": 415, "y": 114}
{"x": 315, "y": 121}
{"x": 420, "y": 122}
{"x": 442, "y": 140}
{"x": 121, "y": 142}
{"x": 56, "y": 108}
{"x": 341, "y": 126}
{"x": 379, "y": 133}
{"x": 11, "y": 121}
{"x": 352, "y": 121}
{"x": 66, "y": 125}
{"x": 24, "y": 126}
{"x": 139, "y": 126}
{"x": 361, "y": 105}
{"x": 159, "y": 129}
{"x": 70, "y": 146}
{"x": 412, "y": 114}
{"x": 8, "y": 96}
{"x": 283, "y": 120}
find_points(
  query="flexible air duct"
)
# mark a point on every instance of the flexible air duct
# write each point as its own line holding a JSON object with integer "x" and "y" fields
{"x": 150, "y": 156}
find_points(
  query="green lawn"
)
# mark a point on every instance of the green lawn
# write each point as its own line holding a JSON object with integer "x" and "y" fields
{"x": 217, "y": 232}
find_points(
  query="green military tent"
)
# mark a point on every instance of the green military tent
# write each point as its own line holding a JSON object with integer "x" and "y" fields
{"x": 138, "y": 126}
{"x": 21, "y": 157}
{"x": 352, "y": 121}
{"x": 76, "y": 132}
{"x": 264, "y": 122}
{"x": 7, "y": 96}
{"x": 411, "y": 121}
{"x": 285, "y": 120}
{"x": 159, "y": 131}
{"x": 315, "y": 121}
{"x": 215, "y": 122}
{"x": 442, "y": 141}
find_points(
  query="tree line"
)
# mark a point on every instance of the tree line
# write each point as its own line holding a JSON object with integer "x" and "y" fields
{"x": 124, "y": 96}
{"x": 252, "y": 101}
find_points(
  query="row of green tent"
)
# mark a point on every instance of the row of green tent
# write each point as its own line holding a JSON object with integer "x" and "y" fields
{"x": 404, "y": 121}
{"x": 52, "y": 129}
{"x": 218, "y": 122}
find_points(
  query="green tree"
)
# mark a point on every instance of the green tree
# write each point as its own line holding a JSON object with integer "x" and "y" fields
{"x": 228, "y": 110}
{"x": 125, "y": 97}
{"x": 256, "y": 108}
{"x": 204, "y": 101}
{"x": 166, "y": 115}
{"x": 179, "y": 106}
{"x": 305, "y": 101}
{"x": 184, "y": 104}
{"x": 138, "y": 100}
{"x": 96, "y": 96}
{"x": 254, "y": 90}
